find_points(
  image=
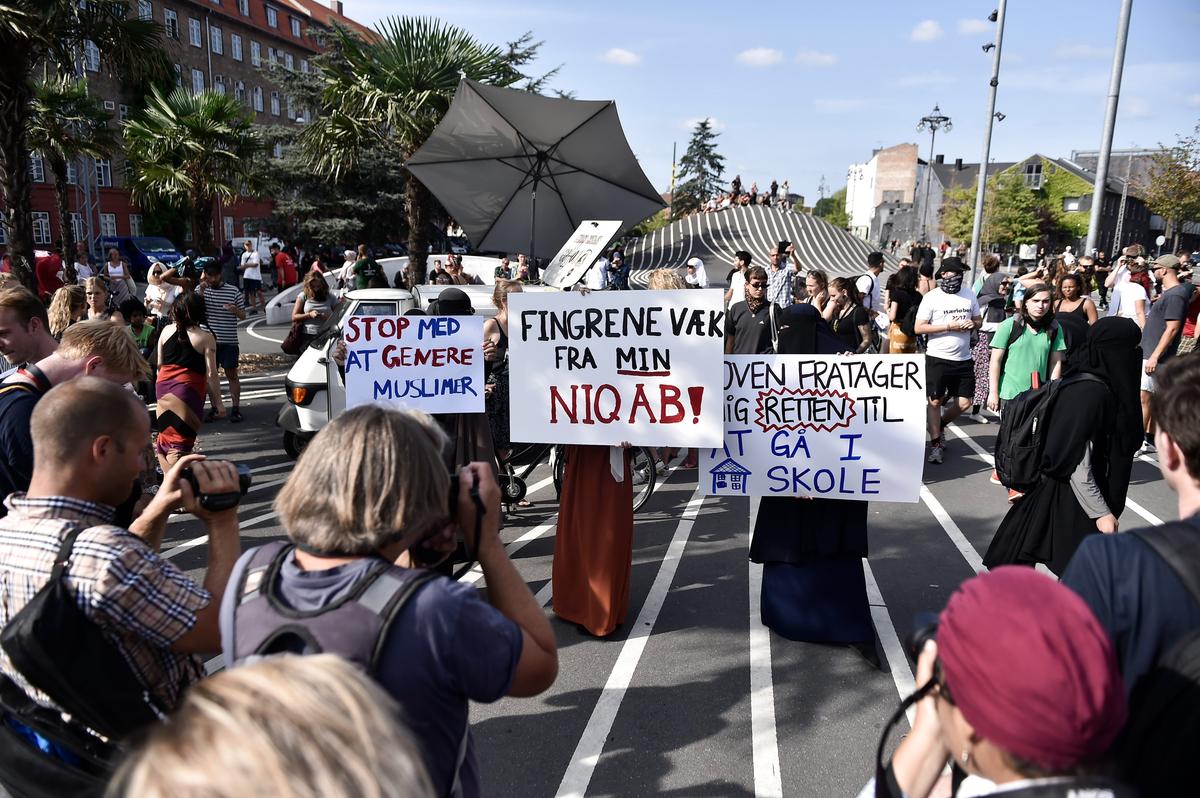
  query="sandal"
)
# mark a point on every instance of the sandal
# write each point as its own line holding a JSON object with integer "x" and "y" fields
{"x": 211, "y": 415}
{"x": 235, "y": 416}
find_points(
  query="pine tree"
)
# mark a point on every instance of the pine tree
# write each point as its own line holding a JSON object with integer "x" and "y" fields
{"x": 700, "y": 170}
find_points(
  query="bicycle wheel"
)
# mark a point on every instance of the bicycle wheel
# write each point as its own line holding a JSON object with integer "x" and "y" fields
{"x": 641, "y": 465}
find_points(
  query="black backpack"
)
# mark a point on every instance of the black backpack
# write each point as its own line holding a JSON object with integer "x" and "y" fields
{"x": 1161, "y": 739}
{"x": 1022, "y": 434}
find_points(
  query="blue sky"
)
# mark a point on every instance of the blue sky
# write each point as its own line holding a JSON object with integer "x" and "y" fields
{"x": 801, "y": 89}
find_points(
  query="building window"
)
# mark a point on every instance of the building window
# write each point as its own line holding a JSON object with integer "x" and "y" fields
{"x": 103, "y": 172}
{"x": 1033, "y": 175}
{"x": 295, "y": 26}
{"x": 72, "y": 175}
{"x": 258, "y": 98}
{"x": 235, "y": 46}
{"x": 135, "y": 224}
{"x": 288, "y": 61}
{"x": 227, "y": 226}
{"x": 291, "y": 108}
{"x": 277, "y": 150}
{"x": 272, "y": 17}
{"x": 255, "y": 53}
{"x": 37, "y": 169}
{"x": 1071, "y": 204}
{"x": 108, "y": 224}
{"x": 41, "y": 227}
{"x": 271, "y": 55}
{"x": 244, "y": 7}
{"x": 178, "y": 75}
{"x": 275, "y": 103}
{"x": 219, "y": 84}
{"x": 197, "y": 80}
{"x": 77, "y": 226}
{"x": 194, "y": 32}
{"x": 171, "y": 23}
{"x": 91, "y": 56}
{"x": 304, "y": 65}
{"x": 215, "y": 41}
{"x": 123, "y": 112}
{"x": 3, "y": 235}
{"x": 239, "y": 91}
{"x": 145, "y": 10}
{"x": 127, "y": 170}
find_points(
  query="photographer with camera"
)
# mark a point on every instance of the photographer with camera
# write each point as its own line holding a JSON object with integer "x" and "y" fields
{"x": 1018, "y": 686}
{"x": 369, "y": 498}
{"x": 93, "y": 622}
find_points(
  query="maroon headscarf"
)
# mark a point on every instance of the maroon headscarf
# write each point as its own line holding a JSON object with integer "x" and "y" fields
{"x": 1031, "y": 669}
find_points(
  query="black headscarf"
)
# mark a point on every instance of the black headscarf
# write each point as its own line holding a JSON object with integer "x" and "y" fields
{"x": 1112, "y": 351}
{"x": 802, "y": 331}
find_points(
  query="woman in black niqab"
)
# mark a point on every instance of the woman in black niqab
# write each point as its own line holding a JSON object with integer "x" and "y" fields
{"x": 1095, "y": 428}
{"x": 811, "y": 550}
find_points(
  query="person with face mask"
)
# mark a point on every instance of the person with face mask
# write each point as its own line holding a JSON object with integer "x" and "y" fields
{"x": 948, "y": 315}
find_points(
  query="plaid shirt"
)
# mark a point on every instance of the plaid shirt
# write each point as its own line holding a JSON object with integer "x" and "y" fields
{"x": 141, "y": 601}
{"x": 779, "y": 286}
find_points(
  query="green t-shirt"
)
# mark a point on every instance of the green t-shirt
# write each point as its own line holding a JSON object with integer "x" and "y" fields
{"x": 1028, "y": 354}
{"x": 364, "y": 269}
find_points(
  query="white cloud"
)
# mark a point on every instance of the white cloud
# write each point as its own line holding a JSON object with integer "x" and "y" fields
{"x": 759, "y": 57}
{"x": 970, "y": 27}
{"x": 837, "y": 106}
{"x": 927, "y": 31}
{"x": 815, "y": 58}
{"x": 1194, "y": 100}
{"x": 925, "y": 79}
{"x": 622, "y": 57}
{"x": 690, "y": 124}
{"x": 1081, "y": 51}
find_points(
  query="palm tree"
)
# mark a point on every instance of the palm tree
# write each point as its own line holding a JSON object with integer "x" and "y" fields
{"x": 66, "y": 123}
{"x": 390, "y": 93}
{"x": 191, "y": 149}
{"x": 53, "y": 32}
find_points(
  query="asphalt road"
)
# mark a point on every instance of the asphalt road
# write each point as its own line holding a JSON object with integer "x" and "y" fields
{"x": 692, "y": 696}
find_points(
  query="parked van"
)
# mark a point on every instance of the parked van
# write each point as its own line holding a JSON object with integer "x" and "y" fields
{"x": 139, "y": 251}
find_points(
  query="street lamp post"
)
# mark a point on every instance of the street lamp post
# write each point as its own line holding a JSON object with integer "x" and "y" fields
{"x": 993, "y": 116}
{"x": 933, "y": 122}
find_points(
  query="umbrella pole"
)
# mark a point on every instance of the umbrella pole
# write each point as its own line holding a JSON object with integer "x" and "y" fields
{"x": 533, "y": 268}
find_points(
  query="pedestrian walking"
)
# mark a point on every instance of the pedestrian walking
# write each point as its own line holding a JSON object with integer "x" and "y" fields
{"x": 1161, "y": 333}
{"x": 251, "y": 271}
{"x": 224, "y": 307}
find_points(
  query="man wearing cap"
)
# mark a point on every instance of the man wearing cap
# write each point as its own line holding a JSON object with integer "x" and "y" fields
{"x": 947, "y": 315}
{"x": 1160, "y": 336}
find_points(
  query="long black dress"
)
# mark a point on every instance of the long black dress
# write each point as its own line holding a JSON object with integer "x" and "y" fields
{"x": 814, "y": 589}
{"x": 1102, "y": 420}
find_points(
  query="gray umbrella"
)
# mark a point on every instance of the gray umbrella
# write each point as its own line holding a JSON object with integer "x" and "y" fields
{"x": 495, "y": 148}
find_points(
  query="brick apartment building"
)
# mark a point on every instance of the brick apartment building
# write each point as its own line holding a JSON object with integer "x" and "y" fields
{"x": 223, "y": 45}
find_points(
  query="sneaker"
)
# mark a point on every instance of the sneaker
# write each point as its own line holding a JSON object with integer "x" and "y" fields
{"x": 978, "y": 418}
{"x": 936, "y": 454}
{"x": 1013, "y": 495}
{"x": 640, "y": 477}
{"x": 1147, "y": 448}
{"x": 660, "y": 467}
{"x": 235, "y": 415}
{"x": 994, "y": 478}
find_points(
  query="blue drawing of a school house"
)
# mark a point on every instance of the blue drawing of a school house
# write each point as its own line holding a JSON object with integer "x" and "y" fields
{"x": 729, "y": 475}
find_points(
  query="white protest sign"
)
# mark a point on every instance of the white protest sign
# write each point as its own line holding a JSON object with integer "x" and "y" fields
{"x": 429, "y": 363}
{"x": 613, "y": 366}
{"x": 829, "y": 426}
{"x": 580, "y": 251}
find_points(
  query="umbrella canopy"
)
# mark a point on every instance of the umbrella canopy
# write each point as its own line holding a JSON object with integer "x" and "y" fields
{"x": 519, "y": 171}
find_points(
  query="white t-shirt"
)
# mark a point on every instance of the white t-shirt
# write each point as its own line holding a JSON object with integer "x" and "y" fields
{"x": 597, "y": 276}
{"x": 871, "y": 288}
{"x": 939, "y": 308}
{"x": 252, "y": 260}
{"x": 1125, "y": 297}
{"x": 82, "y": 271}
{"x": 737, "y": 287}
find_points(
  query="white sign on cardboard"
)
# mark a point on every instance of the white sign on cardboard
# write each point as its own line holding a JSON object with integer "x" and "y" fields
{"x": 613, "y": 366}
{"x": 429, "y": 363}
{"x": 828, "y": 426}
{"x": 581, "y": 250}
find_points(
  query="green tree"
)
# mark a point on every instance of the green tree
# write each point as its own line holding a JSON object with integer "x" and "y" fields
{"x": 700, "y": 171}
{"x": 390, "y": 94}
{"x": 1173, "y": 187}
{"x": 193, "y": 148}
{"x": 1015, "y": 213}
{"x": 53, "y": 33}
{"x": 833, "y": 209}
{"x": 957, "y": 214}
{"x": 67, "y": 123}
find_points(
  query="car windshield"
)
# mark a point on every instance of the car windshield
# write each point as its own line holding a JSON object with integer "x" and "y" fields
{"x": 154, "y": 244}
{"x": 331, "y": 326}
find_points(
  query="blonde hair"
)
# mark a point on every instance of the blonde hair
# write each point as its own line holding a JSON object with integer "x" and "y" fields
{"x": 108, "y": 340}
{"x": 287, "y": 726}
{"x": 92, "y": 283}
{"x": 502, "y": 290}
{"x": 63, "y": 305}
{"x": 369, "y": 477}
{"x": 664, "y": 280}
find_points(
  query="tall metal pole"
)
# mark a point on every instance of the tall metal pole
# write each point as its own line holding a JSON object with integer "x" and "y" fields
{"x": 928, "y": 181}
{"x": 977, "y": 224}
{"x": 1110, "y": 123}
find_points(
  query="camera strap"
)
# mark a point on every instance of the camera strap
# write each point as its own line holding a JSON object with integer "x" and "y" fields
{"x": 480, "y": 511}
{"x": 885, "y": 781}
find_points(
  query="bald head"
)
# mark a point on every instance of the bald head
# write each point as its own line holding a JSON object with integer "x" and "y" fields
{"x": 74, "y": 414}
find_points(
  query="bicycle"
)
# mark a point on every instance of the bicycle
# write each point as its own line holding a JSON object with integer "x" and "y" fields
{"x": 514, "y": 485}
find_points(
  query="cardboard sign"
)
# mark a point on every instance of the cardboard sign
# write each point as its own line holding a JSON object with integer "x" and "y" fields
{"x": 643, "y": 367}
{"x": 828, "y": 426}
{"x": 581, "y": 250}
{"x": 429, "y": 363}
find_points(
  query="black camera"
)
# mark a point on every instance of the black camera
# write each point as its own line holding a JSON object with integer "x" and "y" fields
{"x": 216, "y": 502}
{"x": 925, "y": 626}
{"x": 424, "y": 555}
{"x": 783, "y": 247}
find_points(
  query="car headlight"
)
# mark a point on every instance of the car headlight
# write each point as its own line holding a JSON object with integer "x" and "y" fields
{"x": 301, "y": 393}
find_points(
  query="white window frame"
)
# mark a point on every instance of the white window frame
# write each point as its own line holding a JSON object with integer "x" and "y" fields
{"x": 72, "y": 173}
{"x": 145, "y": 10}
{"x": 103, "y": 173}
{"x": 290, "y": 105}
{"x": 76, "y": 225}
{"x": 289, "y": 63}
{"x": 255, "y": 53}
{"x": 91, "y": 56}
{"x": 197, "y": 80}
{"x": 239, "y": 91}
{"x": 257, "y": 98}
{"x": 272, "y": 16}
{"x": 108, "y": 225}
{"x": 227, "y": 226}
{"x": 136, "y": 225}
{"x": 304, "y": 65}
{"x": 274, "y": 103}
{"x": 277, "y": 150}
{"x": 295, "y": 23}
{"x": 123, "y": 112}
{"x": 178, "y": 74}
{"x": 195, "y": 37}
{"x": 272, "y": 56}
{"x": 219, "y": 84}
{"x": 37, "y": 168}
{"x": 171, "y": 23}
{"x": 235, "y": 47}
{"x": 216, "y": 39}
{"x": 40, "y": 220}
{"x": 244, "y": 7}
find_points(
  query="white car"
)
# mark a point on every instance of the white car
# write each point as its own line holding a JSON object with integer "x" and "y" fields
{"x": 315, "y": 392}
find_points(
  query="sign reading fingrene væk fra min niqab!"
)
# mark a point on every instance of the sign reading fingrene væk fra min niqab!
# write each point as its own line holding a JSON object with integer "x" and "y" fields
{"x": 832, "y": 427}
{"x": 613, "y": 366}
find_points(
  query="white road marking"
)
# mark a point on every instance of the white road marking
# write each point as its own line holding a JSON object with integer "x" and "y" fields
{"x": 952, "y": 531}
{"x": 902, "y": 676}
{"x": 591, "y": 744}
{"x": 250, "y": 329}
{"x": 764, "y": 741}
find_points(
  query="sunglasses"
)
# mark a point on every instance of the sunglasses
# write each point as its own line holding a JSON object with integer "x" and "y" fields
{"x": 757, "y": 285}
